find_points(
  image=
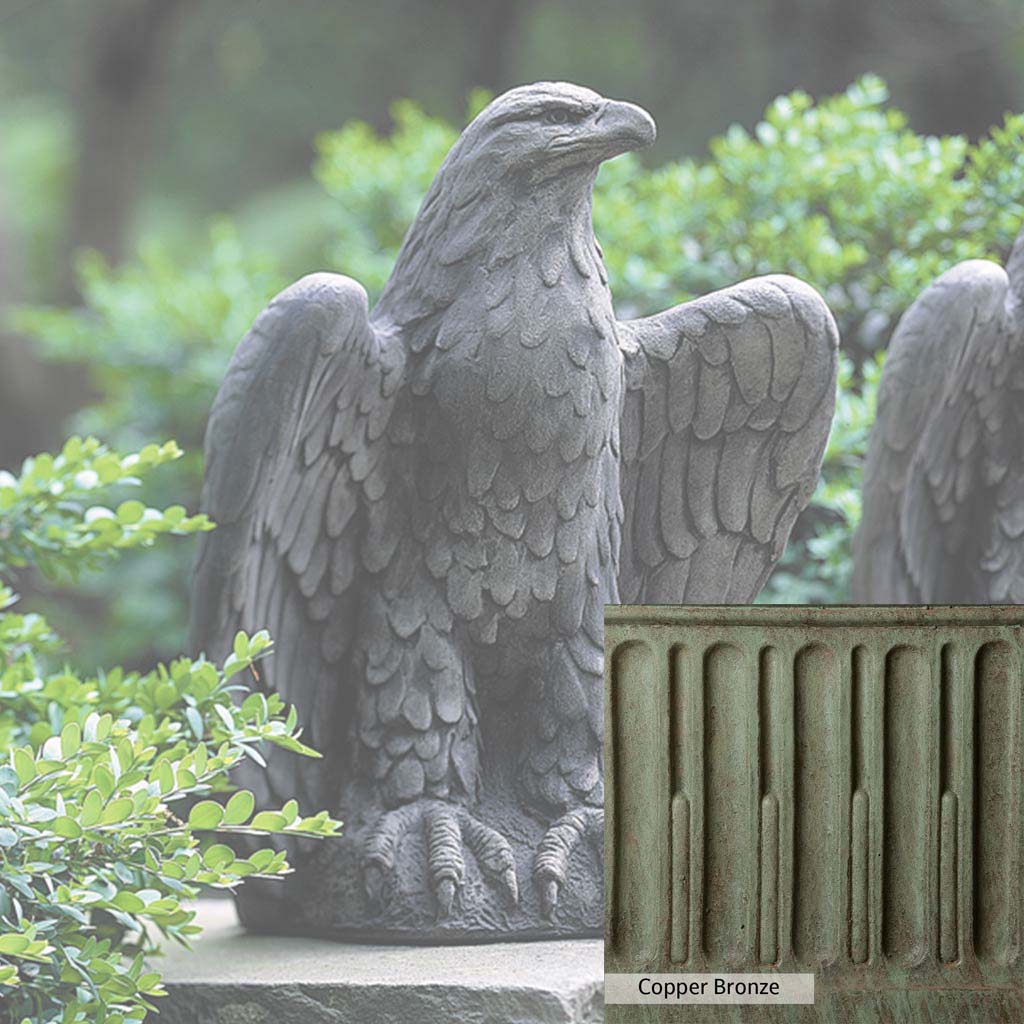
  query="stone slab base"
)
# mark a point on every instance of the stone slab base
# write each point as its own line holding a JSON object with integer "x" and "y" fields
{"x": 233, "y": 977}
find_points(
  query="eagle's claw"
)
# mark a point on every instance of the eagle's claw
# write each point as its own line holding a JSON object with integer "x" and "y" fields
{"x": 448, "y": 831}
{"x": 551, "y": 864}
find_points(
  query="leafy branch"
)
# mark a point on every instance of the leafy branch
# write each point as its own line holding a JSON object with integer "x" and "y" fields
{"x": 95, "y": 863}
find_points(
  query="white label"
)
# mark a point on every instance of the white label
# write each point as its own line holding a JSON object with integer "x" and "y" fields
{"x": 669, "y": 989}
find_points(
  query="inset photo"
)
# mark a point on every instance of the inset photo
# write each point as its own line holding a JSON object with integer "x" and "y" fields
{"x": 814, "y": 814}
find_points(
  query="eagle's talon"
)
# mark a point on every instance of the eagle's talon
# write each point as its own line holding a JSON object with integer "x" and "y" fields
{"x": 549, "y": 898}
{"x": 493, "y": 854}
{"x": 381, "y": 849}
{"x": 373, "y": 882}
{"x": 448, "y": 831}
{"x": 445, "y": 894}
{"x": 510, "y": 884}
{"x": 551, "y": 865}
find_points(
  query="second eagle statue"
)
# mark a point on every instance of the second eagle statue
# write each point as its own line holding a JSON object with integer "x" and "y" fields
{"x": 429, "y": 504}
{"x": 943, "y": 487}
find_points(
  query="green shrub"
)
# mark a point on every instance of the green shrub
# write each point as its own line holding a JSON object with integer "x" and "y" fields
{"x": 816, "y": 566}
{"x": 377, "y": 185}
{"x": 155, "y": 336}
{"x": 94, "y": 863}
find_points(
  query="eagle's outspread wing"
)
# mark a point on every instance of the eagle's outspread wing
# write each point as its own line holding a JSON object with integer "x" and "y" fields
{"x": 729, "y": 400}
{"x": 296, "y": 480}
{"x": 942, "y": 516}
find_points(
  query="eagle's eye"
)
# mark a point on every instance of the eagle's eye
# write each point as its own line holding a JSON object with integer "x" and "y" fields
{"x": 560, "y": 116}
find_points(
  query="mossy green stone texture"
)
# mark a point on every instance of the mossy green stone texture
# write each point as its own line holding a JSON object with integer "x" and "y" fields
{"x": 835, "y": 790}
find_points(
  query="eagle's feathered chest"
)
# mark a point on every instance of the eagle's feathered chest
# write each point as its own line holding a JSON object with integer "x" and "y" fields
{"x": 533, "y": 361}
{"x": 514, "y": 434}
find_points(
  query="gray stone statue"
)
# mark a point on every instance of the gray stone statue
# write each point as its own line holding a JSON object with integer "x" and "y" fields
{"x": 429, "y": 504}
{"x": 944, "y": 478}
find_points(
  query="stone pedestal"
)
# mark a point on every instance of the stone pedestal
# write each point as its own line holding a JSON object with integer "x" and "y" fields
{"x": 233, "y": 977}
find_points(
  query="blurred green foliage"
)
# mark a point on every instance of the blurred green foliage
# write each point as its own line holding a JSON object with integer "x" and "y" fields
{"x": 377, "y": 184}
{"x": 155, "y": 334}
{"x": 155, "y": 337}
{"x": 842, "y": 193}
{"x": 35, "y": 170}
{"x": 816, "y": 567}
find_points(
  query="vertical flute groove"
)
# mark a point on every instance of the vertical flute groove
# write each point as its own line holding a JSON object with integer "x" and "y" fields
{"x": 638, "y": 745}
{"x": 729, "y": 820}
{"x": 768, "y": 866}
{"x": 949, "y": 942}
{"x": 860, "y": 825}
{"x": 859, "y": 877}
{"x": 817, "y": 684}
{"x": 680, "y": 941}
{"x": 769, "y": 922}
{"x": 996, "y": 817}
{"x": 905, "y": 855}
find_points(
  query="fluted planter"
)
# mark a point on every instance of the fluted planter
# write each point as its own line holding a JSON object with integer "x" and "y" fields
{"x": 835, "y": 790}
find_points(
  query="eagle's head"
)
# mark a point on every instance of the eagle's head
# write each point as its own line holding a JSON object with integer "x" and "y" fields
{"x": 523, "y": 170}
{"x": 541, "y": 131}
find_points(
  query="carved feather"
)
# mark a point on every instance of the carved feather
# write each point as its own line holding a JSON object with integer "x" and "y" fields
{"x": 698, "y": 377}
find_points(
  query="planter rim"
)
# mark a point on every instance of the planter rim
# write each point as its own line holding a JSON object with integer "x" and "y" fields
{"x": 818, "y": 615}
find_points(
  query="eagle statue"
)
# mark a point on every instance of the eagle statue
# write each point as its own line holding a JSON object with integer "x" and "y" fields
{"x": 428, "y": 505}
{"x": 943, "y": 492}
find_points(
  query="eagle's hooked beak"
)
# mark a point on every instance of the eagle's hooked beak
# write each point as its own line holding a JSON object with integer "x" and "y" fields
{"x": 620, "y": 127}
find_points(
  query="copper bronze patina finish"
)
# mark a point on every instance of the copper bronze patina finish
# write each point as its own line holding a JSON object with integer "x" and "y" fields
{"x": 833, "y": 790}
